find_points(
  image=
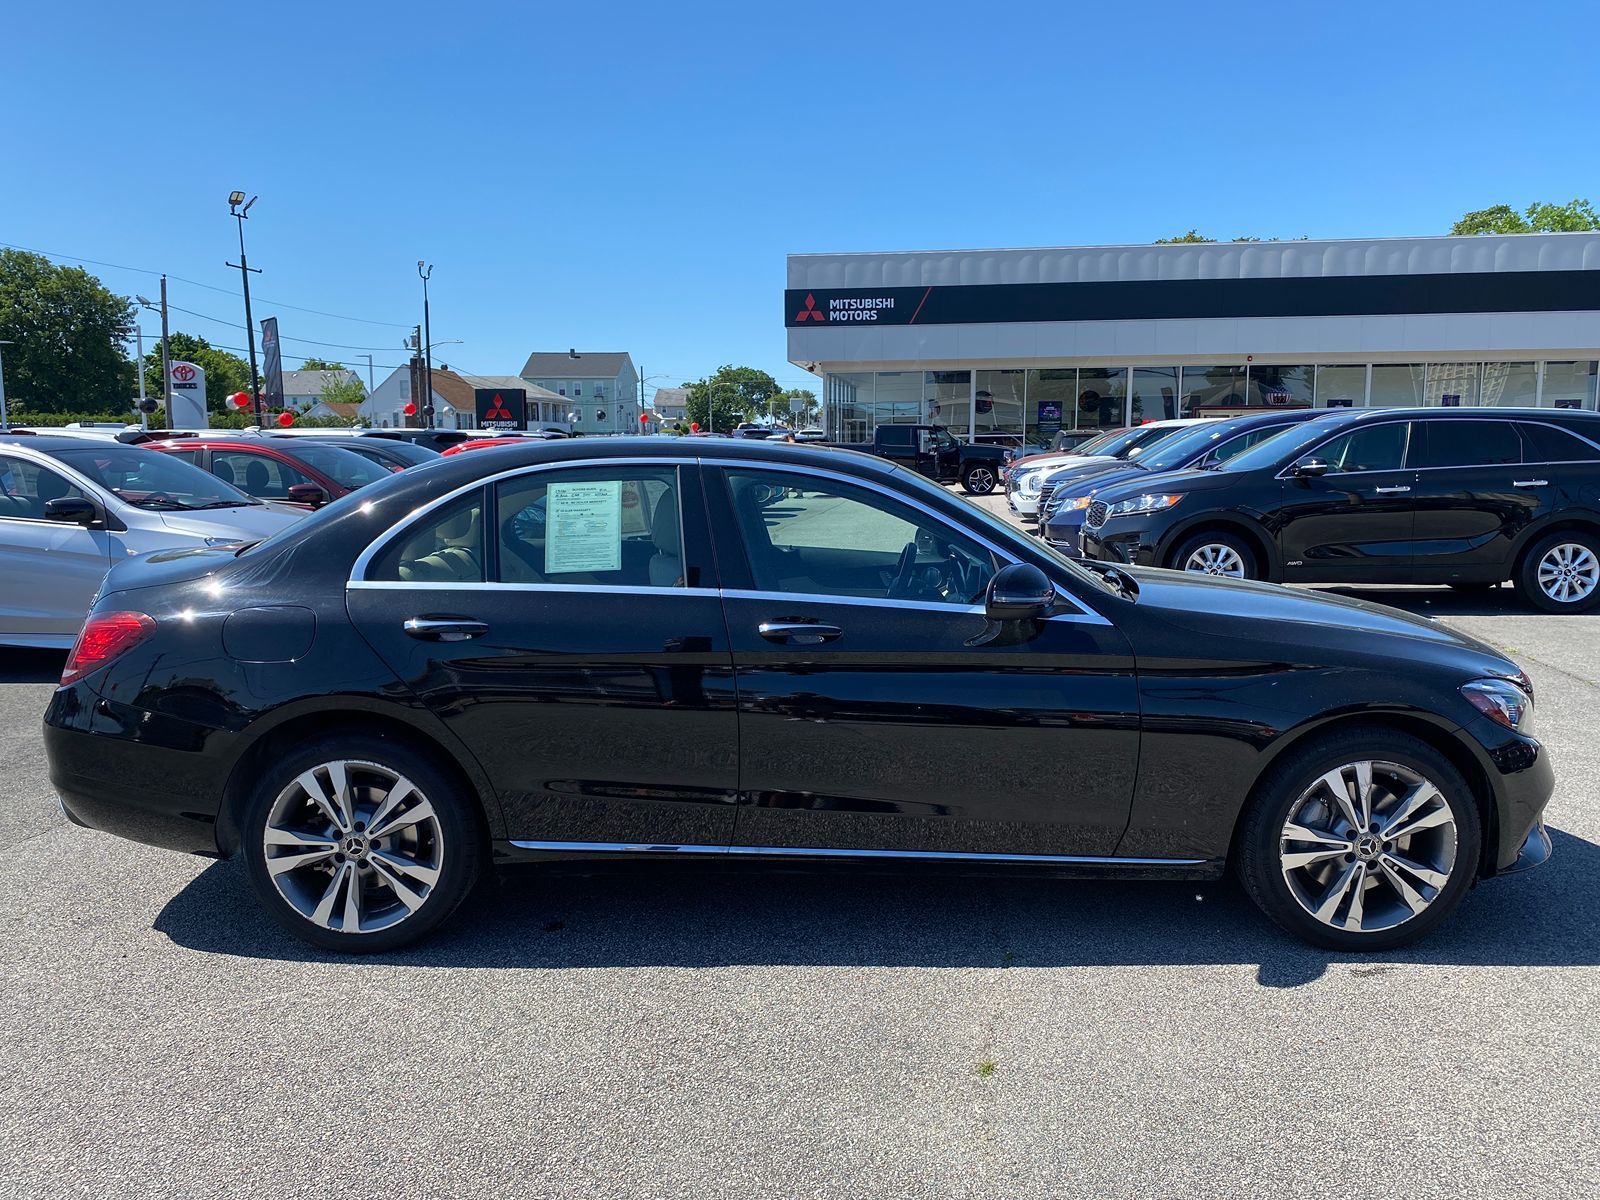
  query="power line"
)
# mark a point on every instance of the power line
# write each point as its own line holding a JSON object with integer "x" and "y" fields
{"x": 282, "y": 337}
{"x": 210, "y": 287}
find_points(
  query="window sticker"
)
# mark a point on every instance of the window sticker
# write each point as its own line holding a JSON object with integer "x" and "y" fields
{"x": 584, "y": 528}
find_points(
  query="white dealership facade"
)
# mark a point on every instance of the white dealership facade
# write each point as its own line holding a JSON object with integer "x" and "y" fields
{"x": 1025, "y": 342}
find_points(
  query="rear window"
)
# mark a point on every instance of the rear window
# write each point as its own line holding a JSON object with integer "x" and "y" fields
{"x": 1547, "y": 444}
{"x": 1466, "y": 442}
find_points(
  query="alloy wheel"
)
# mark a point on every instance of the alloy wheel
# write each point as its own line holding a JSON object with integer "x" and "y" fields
{"x": 980, "y": 479}
{"x": 1215, "y": 558}
{"x": 1569, "y": 572}
{"x": 1368, "y": 846}
{"x": 353, "y": 847}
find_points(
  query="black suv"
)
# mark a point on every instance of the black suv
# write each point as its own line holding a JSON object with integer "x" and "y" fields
{"x": 1465, "y": 497}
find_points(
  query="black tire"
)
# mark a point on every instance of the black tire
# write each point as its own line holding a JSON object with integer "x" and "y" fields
{"x": 450, "y": 844}
{"x": 1260, "y": 843}
{"x": 1219, "y": 539}
{"x": 979, "y": 479}
{"x": 1574, "y": 542}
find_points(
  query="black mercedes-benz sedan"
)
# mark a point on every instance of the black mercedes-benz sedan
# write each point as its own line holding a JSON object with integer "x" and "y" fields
{"x": 672, "y": 648}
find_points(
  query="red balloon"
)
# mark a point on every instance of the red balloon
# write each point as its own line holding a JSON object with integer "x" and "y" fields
{"x": 644, "y": 418}
{"x": 286, "y": 419}
{"x": 410, "y": 409}
{"x": 694, "y": 426}
{"x": 239, "y": 400}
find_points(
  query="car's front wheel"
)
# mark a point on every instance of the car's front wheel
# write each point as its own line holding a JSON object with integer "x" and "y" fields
{"x": 1217, "y": 553}
{"x": 360, "y": 844}
{"x": 1365, "y": 840}
{"x": 1561, "y": 574}
{"x": 979, "y": 479}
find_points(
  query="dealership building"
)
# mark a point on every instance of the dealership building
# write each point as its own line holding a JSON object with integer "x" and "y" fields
{"x": 1027, "y": 342}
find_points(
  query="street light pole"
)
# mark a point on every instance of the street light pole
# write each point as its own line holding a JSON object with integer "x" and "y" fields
{"x": 427, "y": 341}
{"x": 166, "y": 355}
{"x": 234, "y": 200}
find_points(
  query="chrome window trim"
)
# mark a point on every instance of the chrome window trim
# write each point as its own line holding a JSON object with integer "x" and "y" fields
{"x": 839, "y": 852}
{"x": 358, "y": 570}
{"x": 586, "y": 589}
{"x": 1423, "y": 419}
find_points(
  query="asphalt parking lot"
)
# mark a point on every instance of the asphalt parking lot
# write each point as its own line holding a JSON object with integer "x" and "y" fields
{"x": 687, "y": 1032}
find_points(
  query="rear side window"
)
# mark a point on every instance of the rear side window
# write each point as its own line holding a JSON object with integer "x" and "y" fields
{"x": 446, "y": 546}
{"x": 616, "y": 526}
{"x": 1467, "y": 442}
{"x": 1547, "y": 444}
{"x": 258, "y": 474}
{"x": 1372, "y": 448}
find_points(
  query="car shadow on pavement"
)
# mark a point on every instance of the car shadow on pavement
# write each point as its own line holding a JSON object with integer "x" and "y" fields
{"x": 31, "y": 666}
{"x": 688, "y": 915}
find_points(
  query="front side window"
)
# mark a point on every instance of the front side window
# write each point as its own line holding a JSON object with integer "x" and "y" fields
{"x": 1467, "y": 443}
{"x": 822, "y": 538}
{"x": 258, "y": 474}
{"x": 1373, "y": 448}
{"x": 25, "y": 488}
{"x": 611, "y": 526}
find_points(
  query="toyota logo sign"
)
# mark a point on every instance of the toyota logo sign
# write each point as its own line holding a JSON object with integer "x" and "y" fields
{"x": 183, "y": 372}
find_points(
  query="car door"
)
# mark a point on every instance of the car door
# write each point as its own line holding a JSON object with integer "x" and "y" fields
{"x": 564, "y": 622}
{"x": 1471, "y": 497}
{"x": 880, "y": 710}
{"x": 1355, "y": 523}
{"x": 51, "y": 569}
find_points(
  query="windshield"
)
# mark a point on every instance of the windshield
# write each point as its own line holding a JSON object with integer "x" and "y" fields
{"x": 150, "y": 479}
{"x": 1190, "y": 444}
{"x": 1144, "y": 437}
{"x": 1092, "y": 446}
{"x": 1281, "y": 447}
{"x": 344, "y": 467}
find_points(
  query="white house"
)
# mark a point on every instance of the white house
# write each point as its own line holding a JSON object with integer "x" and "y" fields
{"x": 302, "y": 389}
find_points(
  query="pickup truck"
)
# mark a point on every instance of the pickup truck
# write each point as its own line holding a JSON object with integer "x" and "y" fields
{"x": 932, "y": 450}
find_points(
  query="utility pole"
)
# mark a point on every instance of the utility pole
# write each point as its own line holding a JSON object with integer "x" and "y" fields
{"x": 166, "y": 362}
{"x": 427, "y": 340}
{"x": 5, "y": 422}
{"x": 371, "y": 387}
{"x": 245, "y": 270}
{"x": 144, "y": 417}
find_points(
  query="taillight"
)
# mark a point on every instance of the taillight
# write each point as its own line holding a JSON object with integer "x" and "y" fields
{"x": 104, "y": 637}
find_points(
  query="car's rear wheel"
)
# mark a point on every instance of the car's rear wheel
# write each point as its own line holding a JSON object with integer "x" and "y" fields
{"x": 1365, "y": 840}
{"x": 361, "y": 844}
{"x": 1217, "y": 553}
{"x": 978, "y": 479}
{"x": 1561, "y": 573}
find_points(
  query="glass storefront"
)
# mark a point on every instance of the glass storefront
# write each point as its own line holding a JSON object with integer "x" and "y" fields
{"x": 1006, "y": 404}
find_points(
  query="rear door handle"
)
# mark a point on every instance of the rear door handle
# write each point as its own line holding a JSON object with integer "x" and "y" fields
{"x": 799, "y": 633}
{"x": 1530, "y": 483}
{"x": 445, "y": 629}
{"x": 1392, "y": 491}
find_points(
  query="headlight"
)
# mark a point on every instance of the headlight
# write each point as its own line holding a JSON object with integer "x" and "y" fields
{"x": 1032, "y": 480}
{"x": 1078, "y": 502}
{"x": 1142, "y": 504}
{"x": 1503, "y": 701}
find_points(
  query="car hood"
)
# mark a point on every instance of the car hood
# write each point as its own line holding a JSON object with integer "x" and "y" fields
{"x": 1093, "y": 468}
{"x": 1054, "y": 462}
{"x": 245, "y": 524}
{"x": 1206, "y": 609}
{"x": 1188, "y": 480}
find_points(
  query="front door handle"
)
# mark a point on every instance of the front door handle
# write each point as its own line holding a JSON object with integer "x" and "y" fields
{"x": 1392, "y": 491}
{"x": 1530, "y": 483}
{"x": 445, "y": 629}
{"x": 799, "y": 633}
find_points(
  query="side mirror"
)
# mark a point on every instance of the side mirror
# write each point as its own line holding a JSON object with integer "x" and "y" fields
{"x": 1310, "y": 468}
{"x": 72, "y": 510}
{"x": 307, "y": 493}
{"x": 1019, "y": 592}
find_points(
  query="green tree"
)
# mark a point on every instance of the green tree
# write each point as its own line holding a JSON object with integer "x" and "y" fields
{"x": 320, "y": 364}
{"x": 66, "y": 331}
{"x": 343, "y": 389}
{"x": 1538, "y": 217}
{"x": 732, "y": 395}
{"x": 780, "y": 405}
{"x": 1192, "y": 236}
{"x": 225, "y": 373}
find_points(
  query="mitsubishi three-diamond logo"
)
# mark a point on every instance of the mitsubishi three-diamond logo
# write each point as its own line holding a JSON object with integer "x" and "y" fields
{"x": 498, "y": 410}
{"x": 811, "y": 312}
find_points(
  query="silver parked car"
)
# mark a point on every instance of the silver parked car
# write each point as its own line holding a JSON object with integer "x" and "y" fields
{"x": 70, "y": 507}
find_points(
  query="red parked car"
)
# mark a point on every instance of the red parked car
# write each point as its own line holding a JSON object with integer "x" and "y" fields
{"x": 298, "y": 472}
{"x": 484, "y": 444}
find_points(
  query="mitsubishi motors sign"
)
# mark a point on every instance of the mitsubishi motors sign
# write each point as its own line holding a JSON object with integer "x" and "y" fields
{"x": 501, "y": 408}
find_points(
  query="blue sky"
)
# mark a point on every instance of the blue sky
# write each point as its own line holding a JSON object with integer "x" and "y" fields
{"x": 620, "y": 176}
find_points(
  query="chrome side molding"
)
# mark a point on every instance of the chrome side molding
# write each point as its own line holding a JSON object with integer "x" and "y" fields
{"x": 836, "y": 852}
